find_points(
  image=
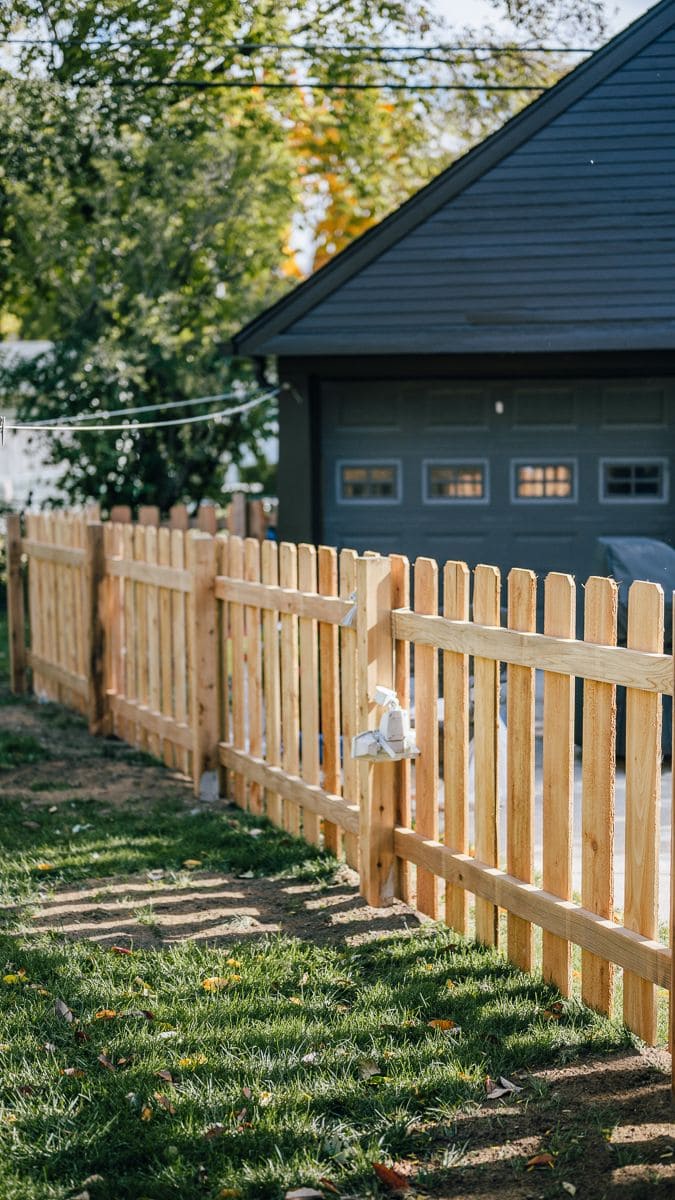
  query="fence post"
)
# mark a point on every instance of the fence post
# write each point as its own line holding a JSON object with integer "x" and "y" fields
{"x": 377, "y": 781}
{"x": 15, "y": 606}
{"x": 94, "y": 573}
{"x": 203, "y": 660}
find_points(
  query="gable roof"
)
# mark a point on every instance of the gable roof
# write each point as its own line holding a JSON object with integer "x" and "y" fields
{"x": 264, "y": 334}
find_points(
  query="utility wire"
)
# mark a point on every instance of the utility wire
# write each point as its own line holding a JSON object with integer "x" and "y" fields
{"x": 124, "y": 412}
{"x": 202, "y": 85}
{"x": 134, "y": 426}
{"x": 251, "y": 47}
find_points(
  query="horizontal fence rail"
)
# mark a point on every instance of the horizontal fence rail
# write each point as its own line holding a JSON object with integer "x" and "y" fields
{"x": 250, "y": 666}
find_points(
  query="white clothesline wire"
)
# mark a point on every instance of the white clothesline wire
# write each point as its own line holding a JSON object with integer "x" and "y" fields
{"x": 131, "y": 426}
{"x": 125, "y": 412}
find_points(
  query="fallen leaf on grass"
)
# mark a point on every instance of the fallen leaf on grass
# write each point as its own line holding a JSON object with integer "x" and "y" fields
{"x": 146, "y": 988}
{"x": 570, "y": 1188}
{"x": 328, "y": 1186}
{"x": 215, "y": 983}
{"x": 443, "y": 1023}
{"x": 138, "y": 1012}
{"x": 120, "y": 950}
{"x": 369, "y": 1068}
{"x": 192, "y": 862}
{"x": 61, "y": 1010}
{"x": 168, "y": 1033}
{"x": 165, "y": 1103}
{"x": 76, "y": 1072}
{"x": 193, "y": 1060}
{"x": 503, "y": 1087}
{"x": 555, "y": 1012}
{"x": 214, "y": 1131}
{"x": 106, "y": 1014}
{"x": 44, "y": 867}
{"x": 309, "y": 1058}
{"x": 80, "y": 1036}
{"x": 146, "y": 1113}
{"x": 540, "y": 1160}
{"x": 49, "y": 1047}
{"x": 394, "y": 1180}
{"x": 12, "y": 979}
{"x": 105, "y": 1062}
{"x": 164, "y": 1074}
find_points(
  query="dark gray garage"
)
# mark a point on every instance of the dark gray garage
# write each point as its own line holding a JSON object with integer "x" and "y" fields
{"x": 489, "y": 374}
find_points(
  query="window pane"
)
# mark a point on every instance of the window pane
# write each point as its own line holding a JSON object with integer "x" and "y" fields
{"x": 640, "y": 479}
{"x": 544, "y": 481}
{"x": 456, "y": 481}
{"x": 371, "y": 481}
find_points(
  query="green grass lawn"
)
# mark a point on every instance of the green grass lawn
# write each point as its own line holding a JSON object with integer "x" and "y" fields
{"x": 245, "y": 1070}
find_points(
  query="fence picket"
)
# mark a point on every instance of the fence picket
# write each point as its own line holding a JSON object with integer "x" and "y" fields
{"x": 309, "y": 690}
{"x": 598, "y": 769}
{"x": 456, "y": 582}
{"x": 141, "y": 635}
{"x": 271, "y": 679}
{"x": 154, "y": 668}
{"x": 558, "y": 776}
{"x": 426, "y": 730}
{"x": 400, "y": 598}
{"x": 522, "y": 615}
{"x": 643, "y": 799}
{"x": 486, "y": 592}
{"x": 180, "y": 677}
{"x": 165, "y": 655}
{"x": 350, "y": 773}
{"x": 290, "y": 683}
{"x": 329, "y": 680}
{"x": 253, "y": 667}
{"x": 202, "y": 639}
{"x": 238, "y": 654}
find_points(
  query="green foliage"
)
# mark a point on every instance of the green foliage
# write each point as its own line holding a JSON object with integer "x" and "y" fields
{"x": 140, "y": 226}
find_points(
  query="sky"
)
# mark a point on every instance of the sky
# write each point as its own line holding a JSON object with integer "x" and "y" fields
{"x": 477, "y": 12}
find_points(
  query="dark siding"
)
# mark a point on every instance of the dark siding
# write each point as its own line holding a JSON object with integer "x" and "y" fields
{"x": 568, "y": 243}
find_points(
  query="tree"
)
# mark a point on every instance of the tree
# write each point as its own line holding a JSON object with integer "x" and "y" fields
{"x": 141, "y": 224}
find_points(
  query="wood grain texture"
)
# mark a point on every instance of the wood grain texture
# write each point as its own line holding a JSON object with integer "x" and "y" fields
{"x": 558, "y": 776}
{"x": 643, "y": 801}
{"x": 522, "y": 615}
{"x": 165, "y": 646}
{"x": 223, "y": 667}
{"x": 141, "y": 618}
{"x": 348, "y": 671}
{"x": 154, "y": 665}
{"x": 290, "y": 683}
{"x": 238, "y": 657}
{"x": 487, "y": 586}
{"x": 400, "y": 598}
{"x": 283, "y": 600}
{"x": 271, "y": 679}
{"x": 375, "y": 665}
{"x": 329, "y": 677}
{"x": 426, "y": 732}
{"x": 180, "y": 662}
{"x": 608, "y": 664}
{"x": 292, "y": 788}
{"x": 130, "y": 684}
{"x": 456, "y": 587}
{"x": 309, "y": 690}
{"x": 203, "y": 656}
{"x": 598, "y": 776}
{"x": 253, "y": 669}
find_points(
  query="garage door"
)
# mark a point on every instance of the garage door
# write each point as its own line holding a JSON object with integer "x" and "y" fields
{"x": 507, "y": 473}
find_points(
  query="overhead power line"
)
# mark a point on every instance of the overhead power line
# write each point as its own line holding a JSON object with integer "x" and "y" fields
{"x": 132, "y": 427}
{"x": 97, "y": 414}
{"x": 303, "y": 48}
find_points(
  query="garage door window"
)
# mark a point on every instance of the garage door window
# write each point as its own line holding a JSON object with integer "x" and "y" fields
{"x": 368, "y": 482}
{"x": 455, "y": 481}
{"x": 634, "y": 480}
{"x": 543, "y": 482}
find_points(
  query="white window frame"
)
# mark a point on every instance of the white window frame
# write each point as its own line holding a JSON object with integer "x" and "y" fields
{"x": 396, "y": 463}
{"x": 547, "y": 461}
{"x": 642, "y": 460}
{"x": 468, "y": 460}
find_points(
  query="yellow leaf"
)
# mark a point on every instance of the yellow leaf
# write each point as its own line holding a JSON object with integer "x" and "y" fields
{"x": 105, "y": 1014}
{"x": 296, "y": 1000}
{"x": 449, "y": 983}
{"x": 233, "y": 962}
{"x": 45, "y": 867}
{"x": 235, "y": 978}
{"x": 192, "y": 862}
{"x": 442, "y": 1023}
{"x": 214, "y": 983}
{"x": 11, "y": 979}
{"x": 193, "y": 1060}
{"x": 146, "y": 1113}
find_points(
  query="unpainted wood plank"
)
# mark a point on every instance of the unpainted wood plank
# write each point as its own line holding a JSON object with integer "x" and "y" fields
{"x": 456, "y": 589}
{"x": 179, "y": 656}
{"x": 309, "y": 690}
{"x": 426, "y": 732}
{"x": 222, "y": 619}
{"x": 522, "y": 615}
{"x": 375, "y": 665}
{"x": 292, "y": 788}
{"x": 643, "y": 801}
{"x": 236, "y": 515}
{"x": 253, "y": 669}
{"x": 148, "y": 514}
{"x": 558, "y": 776}
{"x": 117, "y": 622}
{"x": 120, "y": 514}
{"x": 348, "y": 655}
{"x": 283, "y": 600}
{"x": 598, "y": 780}
{"x": 290, "y": 683}
{"x": 165, "y": 646}
{"x": 154, "y": 664}
{"x": 329, "y": 676}
{"x": 486, "y": 593}
{"x": 67, "y": 608}
{"x": 178, "y": 517}
{"x": 141, "y": 636}
{"x": 271, "y": 679}
{"x": 203, "y": 658}
{"x": 79, "y": 584}
{"x": 206, "y": 519}
{"x": 400, "y": 598}
{"x": 238, "y": 655}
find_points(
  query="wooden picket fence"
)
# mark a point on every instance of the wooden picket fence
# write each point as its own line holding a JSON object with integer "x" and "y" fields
{"x": 259, "y": 662}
